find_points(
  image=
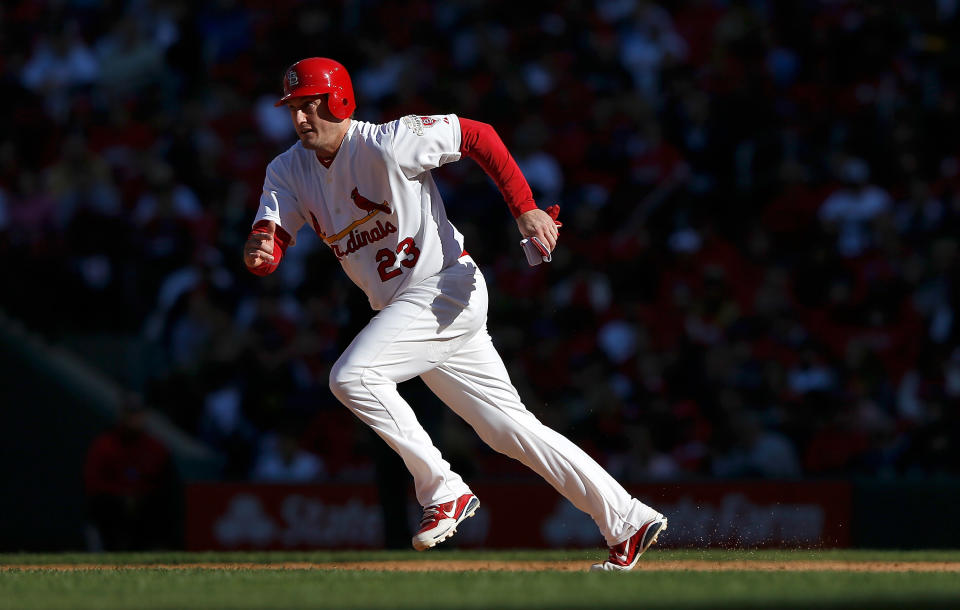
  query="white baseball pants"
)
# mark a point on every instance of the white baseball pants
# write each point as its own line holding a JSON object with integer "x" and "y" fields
{"x": 437, "y": 330}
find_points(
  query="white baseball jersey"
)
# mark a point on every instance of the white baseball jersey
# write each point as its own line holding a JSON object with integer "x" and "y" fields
{"x": 376, "y": 206}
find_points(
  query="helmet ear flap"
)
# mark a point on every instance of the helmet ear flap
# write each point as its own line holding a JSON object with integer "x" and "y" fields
{"x": 339, "y": 104}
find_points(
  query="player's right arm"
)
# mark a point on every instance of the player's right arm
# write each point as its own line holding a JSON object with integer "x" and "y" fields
{"x": 277, "y": 221}
{"x": 258, "y": 252}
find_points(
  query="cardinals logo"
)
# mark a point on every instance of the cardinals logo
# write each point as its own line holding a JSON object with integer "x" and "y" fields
{"x": 358, "y": 238}
{"x": 369, "y": 206}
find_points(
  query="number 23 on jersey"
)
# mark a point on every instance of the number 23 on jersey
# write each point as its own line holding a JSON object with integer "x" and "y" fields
{"x": 408, "y": 253}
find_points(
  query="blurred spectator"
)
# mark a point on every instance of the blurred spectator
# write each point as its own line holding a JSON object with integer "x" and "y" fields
{"x": 131, "y": 485}
{"x": 648, "y": 41}
{"x": 4, "y": 211}
{"x": 641, "y": 461}
{"x": 811, "y": 373}
{"x": 283, "y": 460}
{"x": 852, "y": 209}
{"x": 755, "y": 451}
{"x": 32, "y": 211}
{"x": 165, "y": 197}
{"x": 538, "y": 166}
{"x": 130, "y": 60}
{"x": 759, "y": 197}
{"x": 273, "y": 125}
{"x": 61, "y": 65}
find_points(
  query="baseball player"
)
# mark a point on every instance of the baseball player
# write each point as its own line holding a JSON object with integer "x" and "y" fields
{"x": 367, "y": 191}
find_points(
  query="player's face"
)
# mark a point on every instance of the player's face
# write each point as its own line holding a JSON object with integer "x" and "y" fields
{"x": 316, "y": 126}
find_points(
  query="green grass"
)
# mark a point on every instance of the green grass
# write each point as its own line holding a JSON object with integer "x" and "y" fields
{"x": 176, "y": 557}
{"x": 205, "y": 588}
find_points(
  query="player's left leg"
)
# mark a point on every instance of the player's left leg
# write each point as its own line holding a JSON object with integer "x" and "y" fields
{"x": 475, "y": 384}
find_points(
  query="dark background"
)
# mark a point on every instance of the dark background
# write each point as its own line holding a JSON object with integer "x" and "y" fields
{"x": 757, "y": 276}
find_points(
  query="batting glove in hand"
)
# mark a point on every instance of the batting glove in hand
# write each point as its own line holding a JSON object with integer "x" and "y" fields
{"x": 534, "y": 249}
{"x": 554, "y": 211}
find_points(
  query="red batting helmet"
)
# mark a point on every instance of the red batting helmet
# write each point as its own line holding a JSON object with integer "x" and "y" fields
{"x": 319, "y": 75}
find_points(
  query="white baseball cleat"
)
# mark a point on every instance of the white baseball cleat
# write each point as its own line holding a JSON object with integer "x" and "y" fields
{"x": 440, "y": 520}
{"x": 624, "y": 556}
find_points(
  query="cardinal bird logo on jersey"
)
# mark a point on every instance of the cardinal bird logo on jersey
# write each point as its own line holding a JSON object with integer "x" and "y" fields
{"x": 356, "y": 237}
{"x": 369, "y": 206}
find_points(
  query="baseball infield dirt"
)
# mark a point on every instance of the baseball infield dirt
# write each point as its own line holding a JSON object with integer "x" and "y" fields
{"x": 526, "y": 566}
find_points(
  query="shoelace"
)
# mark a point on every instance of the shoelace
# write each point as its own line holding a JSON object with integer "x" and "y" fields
{"x": 429, "y": 514}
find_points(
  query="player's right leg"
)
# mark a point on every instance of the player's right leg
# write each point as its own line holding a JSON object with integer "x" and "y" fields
{"x": 365, "y": 379}
{"x": 407, "y": 338}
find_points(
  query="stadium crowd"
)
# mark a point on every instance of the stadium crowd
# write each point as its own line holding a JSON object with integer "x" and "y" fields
{"x": 757, "y": 274}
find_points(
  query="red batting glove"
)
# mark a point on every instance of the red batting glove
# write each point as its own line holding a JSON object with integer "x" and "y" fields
{"x": 554, "y": 211}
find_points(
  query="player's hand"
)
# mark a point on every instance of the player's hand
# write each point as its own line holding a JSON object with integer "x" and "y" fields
{"x": 537, "y": 223}
{"x": 259, "y": 247}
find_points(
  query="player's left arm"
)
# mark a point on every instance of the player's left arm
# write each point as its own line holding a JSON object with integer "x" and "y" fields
{"x": 480, "y": 142}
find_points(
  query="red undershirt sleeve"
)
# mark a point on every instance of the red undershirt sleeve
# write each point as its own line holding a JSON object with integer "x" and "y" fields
{"x": 281, "y": 239}
{"x": 481, "y": 143}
